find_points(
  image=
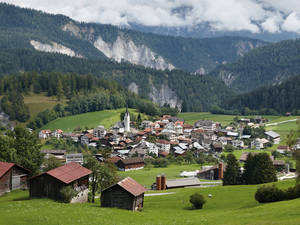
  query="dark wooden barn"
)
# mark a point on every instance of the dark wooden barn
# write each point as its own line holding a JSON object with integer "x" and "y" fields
{"x": 130, "y": 164}
{"x": 126, "y": 194}
{"x": 12, "y": 177}
{"x": 50, "y": 183}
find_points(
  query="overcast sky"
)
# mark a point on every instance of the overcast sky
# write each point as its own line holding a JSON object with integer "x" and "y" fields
{"x": 230, "y": 15}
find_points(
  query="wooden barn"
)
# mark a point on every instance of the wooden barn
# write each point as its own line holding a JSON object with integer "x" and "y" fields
{"x": 126, "y": 194}
{"x": 130, "y": 164}
{"x": 12, "y": 177}
{"x": 50, "y": 183}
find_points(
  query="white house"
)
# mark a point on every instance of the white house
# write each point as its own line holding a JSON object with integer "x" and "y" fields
{"x": 99, "y": 132}
{"x": 163, "y": 145}
{"x": 273, "y": 136}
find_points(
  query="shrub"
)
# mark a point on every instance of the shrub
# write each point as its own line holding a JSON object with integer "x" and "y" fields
{"x": 67, "y": 193}
{"x": 160, "y": 162}
{"x": 197, "y": 200}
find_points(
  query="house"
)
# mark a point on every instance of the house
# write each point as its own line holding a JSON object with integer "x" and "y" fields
{"x": 12, "y": 177}
{"x": 244, "y": 156}
{"x": 163, "y": 145}
{"x": 212, "y": 172}
{"x": 44, "y": 134}
{"x": 283, "y": 149}
{"x": 126, "y": 194}
{"x": 145, "y": 124}
{"x": 237, "y": 144}
{"x": 59, "y": 154}
{"x": 75, "y": 157}
{"x": 49, "y": 184}
{"x": 273, "y": 136}
{"x": 205, "y": 125}
{"x": 85, "y": 139}
{"x": 57, "y": 133}
{"x": 135, "y": 163}
{"x": 99, "y": 132}
{"x": 137, "y": 152}
{"x": 163, "y": 154}
{"x": 279, "y": 165}
{"x": 75, "y": 137}
{"x": 217, "y": 147}
{"x": 259, "y": 143}
{"x": 181, "y": 183}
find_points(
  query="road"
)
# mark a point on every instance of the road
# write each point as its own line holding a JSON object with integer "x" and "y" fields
{"x": 285, "y": 121}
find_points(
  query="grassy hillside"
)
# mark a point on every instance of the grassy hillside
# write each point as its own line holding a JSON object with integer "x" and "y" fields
{"x": 92, "y": 119}
{"x": 232, "y": 205}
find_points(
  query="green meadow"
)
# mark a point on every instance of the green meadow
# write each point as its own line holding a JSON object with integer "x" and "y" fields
{"x": 91, "y": 120}
{"x": 229, "y": 205}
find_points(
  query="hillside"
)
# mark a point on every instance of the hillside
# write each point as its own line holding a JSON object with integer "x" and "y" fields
{"x": 31, "y": 29}
{"x": 232, "y": 205}
{"x": 174, "y": 88}
{"x": 267, "y": 65}
{"x": 281, "y": 98}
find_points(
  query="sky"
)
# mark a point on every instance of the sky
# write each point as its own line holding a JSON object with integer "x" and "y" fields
{"x": 226, "y": 15}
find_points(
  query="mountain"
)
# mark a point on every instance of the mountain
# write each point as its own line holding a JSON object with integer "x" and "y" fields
{"x": 204, "y": 30}
{"x": 30, "y": 29}
{"x": 267, "y": 65}
{"x": 175, "y": 88}
{"x": 280, "y": 98}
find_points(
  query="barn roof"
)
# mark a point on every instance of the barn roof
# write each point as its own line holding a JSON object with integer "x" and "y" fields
{"x": 134, "y": 160}
{"x": 132, "y": 186}
{"x": 183, "y": 182}
{"x": 4, "y": 167}
{"x": 69, "y": 172}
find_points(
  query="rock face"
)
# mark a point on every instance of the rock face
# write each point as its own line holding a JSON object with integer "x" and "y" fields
{"x": 245, "y": 46}
{"x": 133, "y": 88}
{"x": 165, "y": 95}
{"x": 54, "y": 48}
{"x": 227, "y": 77}
{"x": 125, "y": 49}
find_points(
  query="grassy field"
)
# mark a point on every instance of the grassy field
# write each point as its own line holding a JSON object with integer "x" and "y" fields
{"x": 40, "y": 102}
{"x": 238, "y": 153}
{"x": 230, "y": 205}
{"x": 92, "y": 119}
{"x": 147, "y": 176}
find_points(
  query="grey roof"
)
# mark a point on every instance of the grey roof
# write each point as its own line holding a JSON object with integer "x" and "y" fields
{"x": 179, "y": 151}
{"x": 201, "y": 123}
{"x": 272, "y": 134}
{"x": 182, "y": 182}
{"x": 118, "y": 125}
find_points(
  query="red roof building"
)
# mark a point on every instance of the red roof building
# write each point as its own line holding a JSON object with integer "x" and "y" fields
{"x": 126, "y": 194}
{"x": 12, "y": 177}
{"x": 50, "y": 183}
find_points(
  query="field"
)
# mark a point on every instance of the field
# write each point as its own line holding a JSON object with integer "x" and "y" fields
{"x": 92, "y": 119}
{"x": 147, "y": 176}
{"x": 231, "y": 205}
{"x": 192, "y": 117}
{"x": 39, "y": 102}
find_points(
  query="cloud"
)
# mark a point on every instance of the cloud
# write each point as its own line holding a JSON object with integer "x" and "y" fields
{"x": 230, "y": 15}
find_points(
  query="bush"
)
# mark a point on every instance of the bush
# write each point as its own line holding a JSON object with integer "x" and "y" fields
{"x": 273, "y": 194}
{"x": 197, "y": 200}
{"x": 160, "y": 162}
{"x": 67, "y": 193}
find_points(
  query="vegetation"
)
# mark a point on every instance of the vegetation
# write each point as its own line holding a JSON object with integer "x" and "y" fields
{"x": 232, "y": 174}
{"x": 67, "y": 193}
{"x": 51, "y": 163}
{"x": 229, "y": 205}
{"x": 21, "y": 147}
{"x": 197, "y": 200}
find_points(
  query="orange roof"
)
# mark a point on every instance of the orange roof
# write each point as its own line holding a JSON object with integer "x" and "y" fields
{"x": 147, "y": 130}
{"x": 4, "y": 167}
{"x": 198, "y": 131}
{"x": 161, "y": 141}
{"x": 115, "y": 159}
{"x": 69, "y": 172}
{"x": 174, "y": 142}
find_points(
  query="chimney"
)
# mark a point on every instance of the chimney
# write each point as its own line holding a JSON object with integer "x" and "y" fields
{"x": 163, "y": 182}
{"x": 220, "y": 172}
{"x": 158, "y": 182}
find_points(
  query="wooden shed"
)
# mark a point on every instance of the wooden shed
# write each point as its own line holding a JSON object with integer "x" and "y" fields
{"x": 126, "y": 194}
{"x": 50, "y": 183}
{"x": 130, "y": 164}
{"x": 12, "y": 177}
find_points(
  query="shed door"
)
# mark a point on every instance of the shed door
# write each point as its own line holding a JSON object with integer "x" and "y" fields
{"x": 15, "y": 182}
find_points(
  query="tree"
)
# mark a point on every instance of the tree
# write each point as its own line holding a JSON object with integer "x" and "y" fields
{"x": 232, "y": 175}
{"x": 51, "y": 163}
{"x": 292, "y": 139}
{"x": 103, "y": 174}
{"x": 27, "y": 147}
{"x": 249, "y": 170}
{"x": 228, "y": 148}
{"x": 59, "y": 91}
{"x": 7, "y": 152}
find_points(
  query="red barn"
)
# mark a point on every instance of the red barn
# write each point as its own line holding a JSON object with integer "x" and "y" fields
{"x": 130, "y": 164}
{"x": 12, "y": 177}
{"x": 50, "y": 183}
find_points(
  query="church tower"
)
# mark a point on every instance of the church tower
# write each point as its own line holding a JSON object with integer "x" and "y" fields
{"x": 127, "y": 120}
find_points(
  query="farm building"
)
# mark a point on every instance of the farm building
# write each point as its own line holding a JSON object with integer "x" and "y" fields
{"x": 49, "y": 184}
{"x": 212, "y": 172}
{"x": 130, "y": 164}
{"x": 126, "y": 194}
{"x": 181, "y": 183}
{"x": 12, "y": 177}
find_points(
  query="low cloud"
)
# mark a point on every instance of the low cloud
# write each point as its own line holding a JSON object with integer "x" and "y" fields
{"x": 230, "y": 15}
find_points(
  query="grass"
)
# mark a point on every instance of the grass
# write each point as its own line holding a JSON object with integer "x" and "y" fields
{"x": 238, "y": 153}
{"x": 147, "y": 176}
{"x": 91, "y": 120}
{"x": 232, "y": 205}
{"x": 40, "y": 102}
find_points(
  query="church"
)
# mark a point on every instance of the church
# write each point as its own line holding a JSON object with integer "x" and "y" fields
{"x": 123, "y": 126}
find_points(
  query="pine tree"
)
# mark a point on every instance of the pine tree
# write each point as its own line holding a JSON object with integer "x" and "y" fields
{"x": 59, "y": 91}
{"x": 232, "y": 175}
